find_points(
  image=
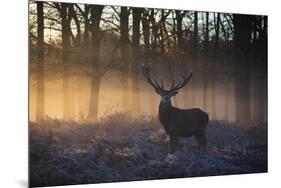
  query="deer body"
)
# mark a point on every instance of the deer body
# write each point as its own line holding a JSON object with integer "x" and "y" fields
{"x": 182, "y": 122}
{"x": 179, "y": 122}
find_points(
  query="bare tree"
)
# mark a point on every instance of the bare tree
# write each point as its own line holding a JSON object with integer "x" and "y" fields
{"x": 124, "y": 42}
{"x": 206, "y": 67}
{"x": 145, "y": 25}
{"x": 217, "y": 34}
{"x": 40, "y": 62}
{"x": 154, "y": 27}
{"x": 68, "y": 107}
{"x": 214, "y": 63}
{"x": 179, "y": 17}
{"x": 242, "y": 41}
{"x": 163, "y": 29}
{"x": 195, "y": 36}
{"x": 96, "y": 12}
{"x": 206, "y": 39}
{"x": 136, "y": 52}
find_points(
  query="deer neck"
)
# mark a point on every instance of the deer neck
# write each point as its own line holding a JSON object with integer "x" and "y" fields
{"x": 164, "y": 111}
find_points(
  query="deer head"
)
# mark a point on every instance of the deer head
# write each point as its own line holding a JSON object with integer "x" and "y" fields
{"x": 166, "y": 94}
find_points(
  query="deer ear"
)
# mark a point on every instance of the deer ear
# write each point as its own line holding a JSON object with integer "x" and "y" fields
{"x": 174, "y": 93}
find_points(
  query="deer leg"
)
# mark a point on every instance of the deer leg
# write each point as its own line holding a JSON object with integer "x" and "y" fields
{"x": 173, "y": 143}
{"x": 198, "y": 140}
{"x": 201, "y": 140}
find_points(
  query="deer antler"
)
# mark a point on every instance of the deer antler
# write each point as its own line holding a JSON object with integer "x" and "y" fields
{"x": 146, "y": 70}
{"x": 182, "y": 83}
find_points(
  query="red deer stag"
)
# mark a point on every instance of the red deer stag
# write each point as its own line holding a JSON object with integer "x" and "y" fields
{"x": 178, "y": 122}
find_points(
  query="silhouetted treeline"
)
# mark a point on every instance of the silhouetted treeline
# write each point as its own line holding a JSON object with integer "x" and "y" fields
{"x": 227, "y": 53}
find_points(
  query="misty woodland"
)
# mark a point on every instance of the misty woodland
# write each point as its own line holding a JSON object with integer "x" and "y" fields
{"x": 122, "y": 93}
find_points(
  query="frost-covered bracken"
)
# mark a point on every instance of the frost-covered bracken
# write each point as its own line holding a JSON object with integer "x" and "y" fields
{"x": 124, "y": 148}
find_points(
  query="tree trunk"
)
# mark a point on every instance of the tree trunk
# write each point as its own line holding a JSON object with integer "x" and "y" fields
{"x": 224, "y": 31}
{"x": 179, "y": 18}
{"x": 86, "y": 43}
{"x": 242, "y": 40}
{"x": 242, "y": 95}
{"x": 40, "y": 63}
{"x": 195, "y": 36}
{"x": 146, "y": 33}
{"x": 264, "y": 58}
{"x": 154, "y": 26}
{"x": 162, "y": 28}
{"x": 214, "y": 61}
{"x": 134, "y": 71}
{"x": 217, "y": 35}
{"x": 96, "y": 12}
{"x": 194, "y": 57}
{"x": 87, "y": 26}
{"x": 206, "y": 40}
{"x": 124, "y": 42}
{"x": 260, "y": 99}
{"x": 68, "y": 111}
{"x": 226, "y": 105}
{"x": 174, "y": 29}
{"x": 94, "y": 96}
{"x": 171, "y": 77}
{"x": 206, "y": 67}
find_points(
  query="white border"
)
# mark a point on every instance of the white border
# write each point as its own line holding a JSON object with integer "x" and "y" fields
{"x": 13, "y": 100}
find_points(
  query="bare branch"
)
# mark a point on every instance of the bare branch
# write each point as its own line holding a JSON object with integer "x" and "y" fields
{"x": 115, "y": 10}
{"x": 57, "y": 6}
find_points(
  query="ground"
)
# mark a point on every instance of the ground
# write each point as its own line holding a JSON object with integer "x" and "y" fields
{"x": 122, "y": 148}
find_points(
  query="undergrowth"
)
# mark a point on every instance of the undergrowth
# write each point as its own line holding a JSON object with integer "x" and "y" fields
{"x": 122, "y": 148}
